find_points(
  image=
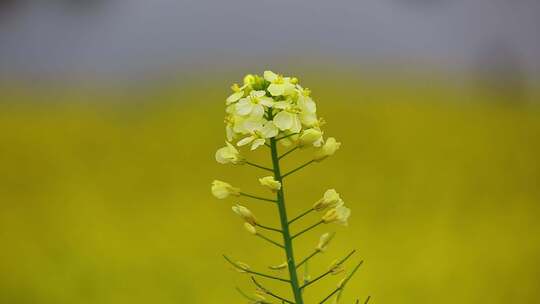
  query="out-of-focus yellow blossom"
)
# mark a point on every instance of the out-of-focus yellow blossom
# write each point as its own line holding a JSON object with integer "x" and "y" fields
{"x": 245, "y": 214}
{"x": 270, "y": 183}
{"x": 229, "y": 155}
{"x": 222, "y": 190}
{"x": 258, "y": 134}
{"x": 339, "y": 214}
{"x": 330, "y": 199}
{"x": 250, "y": 228}
{"x": 310, "y": 137}
{"x": 325, "y": 239}
{"x": 329, "y": 147}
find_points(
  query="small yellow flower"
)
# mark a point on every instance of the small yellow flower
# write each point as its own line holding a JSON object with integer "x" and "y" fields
{"x": 339, "y": 214}
{"x": 250, "y": 228}
{"x": 229, "y": 155}
{"x": 245, "y": 214}
{"x": 330, "y": 199}
{"x": 310, "y": 137}
{"x": 270, "y": 183}
{"x": 222, "y": 190}
{"x": 279, "y": 85}
{"x": 324, "y": 241}
{"x": 329, "y": 148}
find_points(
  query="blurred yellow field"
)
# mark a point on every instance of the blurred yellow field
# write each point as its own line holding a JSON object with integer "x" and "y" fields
{"x": 109, "y": 202}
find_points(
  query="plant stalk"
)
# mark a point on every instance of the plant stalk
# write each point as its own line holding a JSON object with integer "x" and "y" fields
{"x": 287, "y": 240}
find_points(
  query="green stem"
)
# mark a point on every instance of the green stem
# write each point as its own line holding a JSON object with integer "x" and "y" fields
{"x": 257, "y": 197}
{"x": 307, "y": 229}
{"x": 302, "y": 166}
{"x": 286, "y": 136}
{"x": 301, "y": 215}
{"x": 287, "y": 240}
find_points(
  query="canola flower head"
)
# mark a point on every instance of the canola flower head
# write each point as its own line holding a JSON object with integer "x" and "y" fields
{"x": 222, "y": 190}
{"x": 272, "y": 106}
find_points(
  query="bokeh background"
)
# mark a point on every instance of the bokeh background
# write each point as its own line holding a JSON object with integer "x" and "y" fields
{"x": 110, "y": 113}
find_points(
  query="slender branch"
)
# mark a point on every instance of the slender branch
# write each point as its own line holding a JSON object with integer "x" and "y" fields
{"x": 286, "y": 136}
{"x": 254, "y": 272}
{"x": 257, "y": 197}
{"x": 301, "y": 215}
{"x": 330, "y": 295}
{"x": 269, "y": 240}
{"x": 307, "y": 229}
{"x": 269, "y": 228}
{"x": 267, "y": 145}
{"x": 329, "y": 271}
{"x": 342, "y": 285}
{"x": 288, "y": 152}
{"x": 367, "y": 300}
{"x": 268, "y": 292}
{"x": 308, "y": 257}
{"x": 302, "y": 166}
{"x": 245, "y": 295}
{"x": 259, "y": 166}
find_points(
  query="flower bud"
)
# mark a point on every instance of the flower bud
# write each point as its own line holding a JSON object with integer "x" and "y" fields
{"x": 329, "y": 148}
{"x": 330, "y": 199}
{"x": 242, "y": 267}
{"x": 310, "y": 137}
{"x": 245, "y": 214}
{"x": 339, "y": 214}
{"x": 222, "y": 190}
{"x": 324, "y": 241}
{"x": 229, "y": 155}
{"x": 279, "y": 267}
{"x": 250, "y": 228}
{"x": 335, "y": 267}
{"x": 249, "y": 79}
{"x": 270, "y": 183}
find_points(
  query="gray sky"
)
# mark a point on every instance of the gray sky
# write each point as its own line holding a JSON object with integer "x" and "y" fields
{"x": 51, "y": 37}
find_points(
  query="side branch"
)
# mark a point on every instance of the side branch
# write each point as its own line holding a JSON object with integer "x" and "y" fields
{"x": 343, "y": 283}
{"x": 268, "y": 292}
{"x": 314, "y": 253}
{"x": 269, "y": 228}
{"x": 269, "y": 240}
{"x": 329, "y": 271}
{"x": 258, "y": 198}
{"x": 294, "y": 170}
{"x": 259, "y": 166}
{"x": 307, "y": 229}
{"x": 286, "y": 136}
{"x": 254, "y": 272}
{"x": 301, "y": 215}
{"x": 288, "y": 152}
